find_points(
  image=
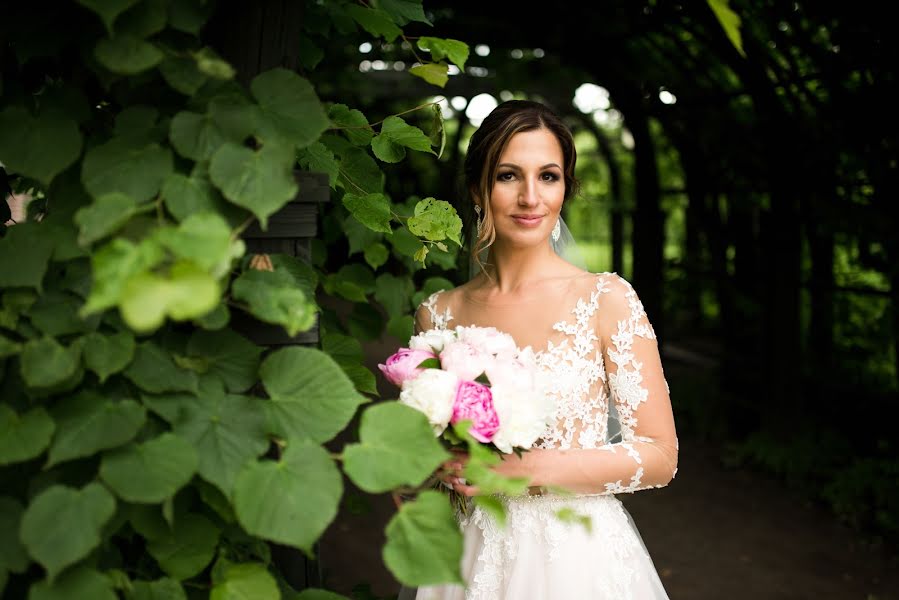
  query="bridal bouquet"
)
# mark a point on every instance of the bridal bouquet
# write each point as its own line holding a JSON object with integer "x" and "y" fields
{"x": 475, "y": 374}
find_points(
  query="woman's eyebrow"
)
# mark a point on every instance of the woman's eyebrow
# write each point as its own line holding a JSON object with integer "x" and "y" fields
{"x": 513, "y": 166}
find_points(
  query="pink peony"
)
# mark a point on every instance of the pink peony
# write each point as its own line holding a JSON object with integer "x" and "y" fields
{"x": 404, "y": 365}
{"x": 474, "y": 402}
{"x": 465, "y": 360}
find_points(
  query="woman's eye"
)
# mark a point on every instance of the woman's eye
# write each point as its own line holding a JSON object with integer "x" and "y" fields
{"x": 508, "y": 176}
{"x": 550, "y": 177}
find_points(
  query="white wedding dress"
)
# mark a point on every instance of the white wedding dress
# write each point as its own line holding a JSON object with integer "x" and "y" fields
{"x": 613, "y": 434}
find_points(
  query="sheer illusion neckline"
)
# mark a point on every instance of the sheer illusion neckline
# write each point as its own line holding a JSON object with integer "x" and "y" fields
{"x": 561, "y": 325}
{"x": 468, "y": 297}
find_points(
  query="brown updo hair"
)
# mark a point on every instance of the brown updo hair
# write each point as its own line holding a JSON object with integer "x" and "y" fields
{"x": 489, "y": 142}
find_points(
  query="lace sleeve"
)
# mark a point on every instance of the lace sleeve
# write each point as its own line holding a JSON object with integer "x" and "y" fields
{"x": 644, "y": 454}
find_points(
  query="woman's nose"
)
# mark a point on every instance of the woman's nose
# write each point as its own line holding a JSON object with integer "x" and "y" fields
{"x": 527, "y": 196}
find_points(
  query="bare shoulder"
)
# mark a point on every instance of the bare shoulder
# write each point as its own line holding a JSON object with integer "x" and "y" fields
{"x": 435, "y": 310}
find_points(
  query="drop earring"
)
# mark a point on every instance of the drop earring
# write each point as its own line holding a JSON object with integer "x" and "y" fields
{"x": 477, "y": 210}
{"x": 557, "y": 229}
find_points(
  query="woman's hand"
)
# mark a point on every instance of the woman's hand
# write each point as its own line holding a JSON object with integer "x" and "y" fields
{"x": 453, "y": 469}
{"x": 452, "y": 473}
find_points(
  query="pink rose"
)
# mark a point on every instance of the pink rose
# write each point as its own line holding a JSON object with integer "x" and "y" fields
{"x": 404, "y": 365}
{"x": 474, "y": 402}
{"x": 465, "y": 360}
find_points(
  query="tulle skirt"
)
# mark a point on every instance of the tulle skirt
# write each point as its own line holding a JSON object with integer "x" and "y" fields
{"x": 539, "y": 556}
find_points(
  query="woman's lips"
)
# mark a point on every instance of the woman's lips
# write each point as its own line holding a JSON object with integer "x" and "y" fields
{"x": 528, "y": 220}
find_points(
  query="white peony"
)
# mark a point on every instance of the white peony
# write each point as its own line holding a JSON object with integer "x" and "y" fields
{"x": 524, "y": 411}
{"x": 488, "y": 339}
{"x": 433, "y": 340}
{"x": 433, "y": 393}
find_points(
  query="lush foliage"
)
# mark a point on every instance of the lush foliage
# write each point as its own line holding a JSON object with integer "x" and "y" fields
{"x": 146, "y": 448}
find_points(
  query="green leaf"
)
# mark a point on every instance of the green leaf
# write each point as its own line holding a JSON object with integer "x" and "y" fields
{"x": 376, "y": 22}
{"x": 310, "y": 53}
{"x": 108, "y": 10}
{"x": 185, "y": 196}
{"x": 182, "y": 73}
{"x": 302, "y": 272}
{"x": 136, "y": 121}
{"x": 365, "y": 322}
{"x": 436, "y": 220}
{"x": 260, "y": 181}
{"x": 479, "y": 468}
{"x": 372, "y": 210}
{"x": 189, "y": 16}
{"x": 45, "y": 362}
{"x": 8, "y": 348}
{"x": 317, "y": 157}
{"x": 39, "y": 147}
{"x": 80, "y": 582}
{"x": 438, "y": 133}
{"x": 404, "y": 11}
{"x": 229, "y": 118}
{"x": 12, "y": 553}
{"x": 147, "y": 18}
{"x": 318, "y": 594}
{"x": 186, "y": 293}
{"x": 227, "y": 432}
{"x": 232, "y": 357}
{"x": 217, "y": 319}
{"x": 455, "y": 50}
{"x": 569, "y": 515}
{"x": 206, "y": 240}
{"x": 64, "y": 238}
{"x": 347, "y": 352}
{"x": 291, "y": 501}
{"x": 273, "y": 297}
{"x": 62, "y": 524}
{"x": 126, "y": 166}
{"x": 150, "y": 472}
{"x": 376, "y": 255}
{"x": 195, "y": 136}
{"x": 161, "y": 589}
{"x": 493, "y": 506}
{"x": 106, "y": 355}
{"x": 290, "y": 107}
{"x": 24, "y": 254}
{"x": 358, "y": 235}
{"x": 359, "y": 173}
{"x": 23, "y": 437}
{"x": 88, "y": 423}
{"x": 397, "y": 135}
{"x": 397, "y": 447}
{"x": 401, "y": 327}
{"x": 66, "y": 100}
{"x": 394, "y": 293}
{"x": 127, "y": 55}
{"x": 56, "y": 314}
{"x": 185, "y": 551}
{"x": 153, "y": 370}
{"x": 353, "y": 124}
{"x": 730, "y": 22}
{"x": 114, "y": 265}
{"x": 434, "y": 73}
{"x": 247, "y": 581}
{"x": 212, "y": 64}
{"x": 413, "y": 533}
{"x": 106, "y": 215}
{"x": 312, "y": 399}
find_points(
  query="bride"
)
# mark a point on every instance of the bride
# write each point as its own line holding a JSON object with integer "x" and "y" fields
{"x": 614, "y": 430}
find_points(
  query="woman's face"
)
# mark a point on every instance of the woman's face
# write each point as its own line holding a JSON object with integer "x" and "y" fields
{"x": 529, "y": 188}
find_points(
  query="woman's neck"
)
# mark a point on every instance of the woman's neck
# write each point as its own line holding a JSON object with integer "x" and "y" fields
{"x": 512, "y": 268}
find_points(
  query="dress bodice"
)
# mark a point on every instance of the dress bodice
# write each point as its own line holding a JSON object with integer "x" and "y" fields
{"x": 602, "y": 369}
